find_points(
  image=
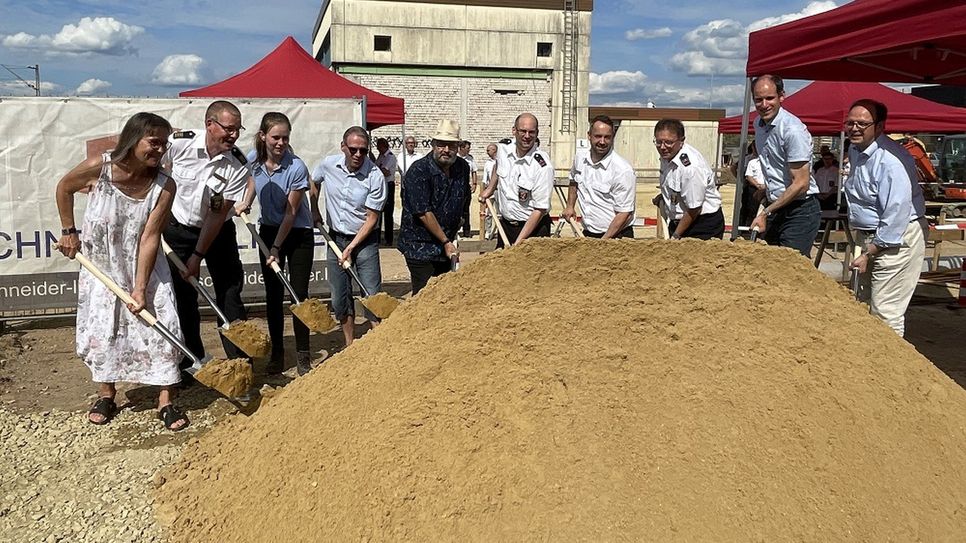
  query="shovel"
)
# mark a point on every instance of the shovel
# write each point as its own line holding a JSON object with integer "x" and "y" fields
{"x": 313, "y": 313}
{"x": 499, "y": 227}
{"x": 243, "y": 334}
{"x": 381, "y": 304}
{"x": 233, "y": 378}
{"x": 577, "y": 231}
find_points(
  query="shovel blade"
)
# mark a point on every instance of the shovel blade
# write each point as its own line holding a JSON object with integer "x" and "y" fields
{"x": 233, "y": 377}
{"x": 314, "y": 314}
{"x": 246, "y": 336}
{"x": 381, "y": 304}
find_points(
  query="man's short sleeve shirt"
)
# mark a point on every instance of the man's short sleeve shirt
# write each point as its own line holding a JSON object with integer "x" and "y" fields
{"x": 429, "y": 189}
{"x": 524, "y": 183}
{"x": 781, "y": 142}
{"x": 687, "y": 182}
{"x": 204, "y": 183}
{"x": 349, "y": 194}
{"x": 604, "y": 189}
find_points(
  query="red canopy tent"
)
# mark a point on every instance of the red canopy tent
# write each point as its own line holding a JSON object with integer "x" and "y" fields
{"x": 290, "y": 72}
{"x": 908, "y": 41}
{"x": 868, "y": 40}
{"x": 823, "y": 105}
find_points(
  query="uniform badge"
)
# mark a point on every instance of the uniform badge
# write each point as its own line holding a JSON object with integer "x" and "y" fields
{"x": 685, "y": 160}
{"x": 183, "y": 134}
{"x": 216, "y": 202}
{"x": 540, "y": 160}
{"x": 523, "y": 195}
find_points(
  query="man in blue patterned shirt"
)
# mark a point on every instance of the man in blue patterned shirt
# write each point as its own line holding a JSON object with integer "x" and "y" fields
{"x": 437, "y": 190}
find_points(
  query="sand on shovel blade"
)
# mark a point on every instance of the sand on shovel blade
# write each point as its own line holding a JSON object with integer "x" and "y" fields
{"x": 232, "y": 377}
{"x": 381, "y": 304}
{"x": 314, "y": 314}
{"x": 246, "y": 336}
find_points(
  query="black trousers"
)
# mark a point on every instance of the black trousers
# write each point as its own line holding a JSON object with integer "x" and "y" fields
{"x": 707, "y": 226}
{"x": 387, "y": 211}
{"x": 513, "y": 228}
{"x": 625, "y": 233}
{"x": 420, "y": 271}
{"x": 296, "y": 252}
{"x": 466, "y": 218}
{"x": 226, "y": 272}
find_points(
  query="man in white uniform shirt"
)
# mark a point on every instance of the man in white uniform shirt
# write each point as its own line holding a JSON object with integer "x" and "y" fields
{"x": 523, "y": 181}
{"x": 211, "y": 175}
{"x": 406, "y": 159}
{"x": 386, "y": 161}
{"x": 604, "y": 184}
{"x": 690, "y": 199}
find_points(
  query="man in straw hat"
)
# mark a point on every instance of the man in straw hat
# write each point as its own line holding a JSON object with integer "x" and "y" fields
{"x": 437, "y": 190}
{"x": 523, "y": 181}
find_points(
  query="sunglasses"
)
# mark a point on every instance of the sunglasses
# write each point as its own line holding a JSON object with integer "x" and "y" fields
{"x": 357, "y": 150}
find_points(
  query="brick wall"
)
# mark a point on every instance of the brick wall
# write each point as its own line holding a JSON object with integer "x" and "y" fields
{"x": 484, "y": 115}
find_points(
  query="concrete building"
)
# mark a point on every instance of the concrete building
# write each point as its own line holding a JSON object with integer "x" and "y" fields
{"x": 480, "y": 62}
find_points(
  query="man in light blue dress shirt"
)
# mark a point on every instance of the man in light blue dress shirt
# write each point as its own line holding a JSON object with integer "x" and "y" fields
{"x": 792, "y": 214}
{"x": 886, "y": 210}
{"x": 355, "y": 193}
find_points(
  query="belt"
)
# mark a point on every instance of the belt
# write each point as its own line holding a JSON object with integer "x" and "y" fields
{"x": 192, "y": 229}
{"x": 796, "y": 201}
{"x": 513, "y": 223}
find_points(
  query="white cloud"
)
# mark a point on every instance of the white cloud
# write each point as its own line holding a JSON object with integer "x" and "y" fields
{"x": 179, "y": 70}
{"x": 17, "y": 88}
{"x": 645, "y": 34}
{"x": 669, "y": 95}
{"x": 92, "y": 86}
{"x": 104, "y": 35}
{"x": 617, "y": 82}
{"x": 721, "y": 46}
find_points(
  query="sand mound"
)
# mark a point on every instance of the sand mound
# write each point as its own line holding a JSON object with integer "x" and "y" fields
{"x": 582, "y": 390}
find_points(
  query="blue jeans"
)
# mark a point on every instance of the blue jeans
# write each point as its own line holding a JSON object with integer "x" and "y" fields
{"x": 795, "y": 226}
{"x": 365, "y": 261}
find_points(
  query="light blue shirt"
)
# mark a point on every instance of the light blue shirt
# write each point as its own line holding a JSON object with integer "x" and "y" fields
{"x": 879, "y": 190}
{"x": 273, "y": 189}
{"x": 783, "y": 141}
{"x": 349, "y": 194}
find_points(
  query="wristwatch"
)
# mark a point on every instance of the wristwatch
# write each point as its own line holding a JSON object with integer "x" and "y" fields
{"x": 71, "y": 230}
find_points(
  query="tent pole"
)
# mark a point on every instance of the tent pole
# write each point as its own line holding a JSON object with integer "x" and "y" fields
{"x": 840, "y": 183}
{"x": 740, "y": 177}
{"x": 365, "y": 123}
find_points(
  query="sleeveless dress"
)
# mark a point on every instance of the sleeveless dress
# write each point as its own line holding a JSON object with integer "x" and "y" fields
{"x": 112, "y": 341}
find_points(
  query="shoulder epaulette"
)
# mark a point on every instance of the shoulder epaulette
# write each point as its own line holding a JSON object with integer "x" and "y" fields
{"x": 182, "y": 134}
{"x": 237, "y": 153}
{"x": 539, "y": 158}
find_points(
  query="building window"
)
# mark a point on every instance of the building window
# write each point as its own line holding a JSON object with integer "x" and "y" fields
{"x": 382, "y": 43}
{"x": 544, "y": 49}
{"x": 505, "y": 92}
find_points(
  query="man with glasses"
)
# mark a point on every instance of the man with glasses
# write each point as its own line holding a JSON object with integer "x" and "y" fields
{"x": 523, "y": 180}
{"x": 406, "y": 159}
{"x": 604, "y": 184}
{"x": 211, "y": 175}
{"x": 355, "y": 194}
{"x": 689, "y": 197}
{"x": 886, "y": 214}
{"x": 791, "y": 215}
{"x": 437, "y": 190}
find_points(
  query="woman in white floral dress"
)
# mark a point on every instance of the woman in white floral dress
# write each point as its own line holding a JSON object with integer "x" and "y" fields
{"x": 129, "y": 203}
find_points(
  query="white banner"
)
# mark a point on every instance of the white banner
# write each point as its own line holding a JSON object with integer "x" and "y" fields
{"x": 41, "y": 139}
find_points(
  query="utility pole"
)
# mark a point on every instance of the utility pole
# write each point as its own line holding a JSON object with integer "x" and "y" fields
{"x": 35, "y": 85}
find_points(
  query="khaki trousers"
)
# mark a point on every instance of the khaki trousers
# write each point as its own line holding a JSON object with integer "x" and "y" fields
{"x": 892, "y": 276}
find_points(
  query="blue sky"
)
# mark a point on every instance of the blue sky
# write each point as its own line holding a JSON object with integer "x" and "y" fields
{"x": 672, "y": 54}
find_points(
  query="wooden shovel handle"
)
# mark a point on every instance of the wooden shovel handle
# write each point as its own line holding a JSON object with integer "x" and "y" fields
{"x": 573, "y": 224}
{"x": 499, "y": 227}
{"x": 332, "y": 245}
{"x": 114, "y": 287}
{"x": 258, "y": 240}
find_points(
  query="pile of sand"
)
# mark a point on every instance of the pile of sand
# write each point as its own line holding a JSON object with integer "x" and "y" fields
{"x": 584, "y": 390}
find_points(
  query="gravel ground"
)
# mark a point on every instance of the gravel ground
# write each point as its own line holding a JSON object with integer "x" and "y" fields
{"x": 67, "y": 480}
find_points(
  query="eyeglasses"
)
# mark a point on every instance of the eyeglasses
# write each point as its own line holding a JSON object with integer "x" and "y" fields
{"x": 357, "y": 150}
{"x": 229, "y": 129}
{"x": 159, "y": 144}
{"x": 664, "y": 143}
{"x": 857, "y": 124}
